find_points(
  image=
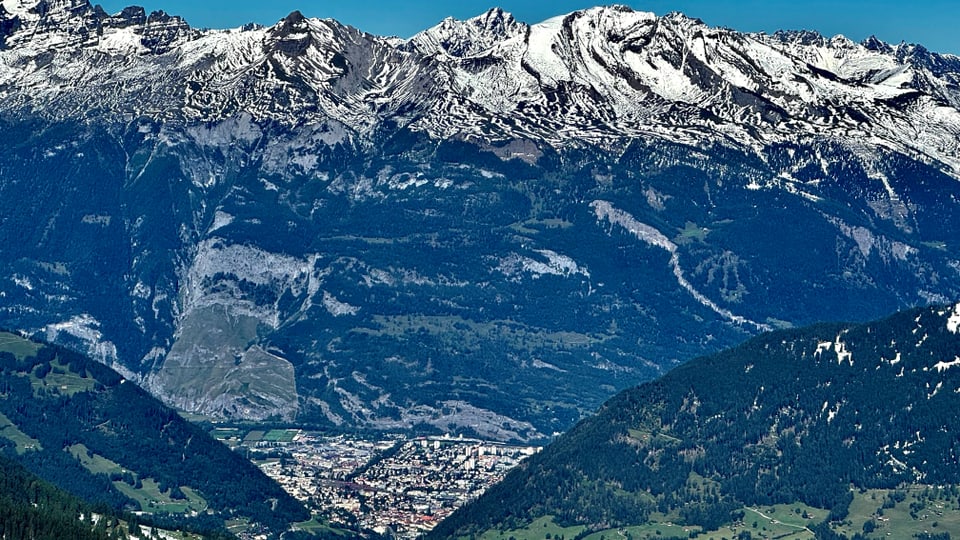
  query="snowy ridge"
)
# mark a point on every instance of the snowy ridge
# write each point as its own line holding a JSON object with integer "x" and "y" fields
{"x": 953, "y": 323}
{"x": 474, "y": 37}
{"x": 593, "y": 76}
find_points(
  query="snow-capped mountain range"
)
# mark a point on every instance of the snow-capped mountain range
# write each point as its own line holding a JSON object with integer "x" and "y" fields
{"x": 595, "y": 75}
{"x": 308, "y": 221}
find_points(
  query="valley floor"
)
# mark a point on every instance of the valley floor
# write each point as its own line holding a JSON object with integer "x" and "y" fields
{"x": 391, "y": 483}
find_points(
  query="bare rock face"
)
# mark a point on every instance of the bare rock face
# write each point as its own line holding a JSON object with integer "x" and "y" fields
{"x": 310, "y": 222}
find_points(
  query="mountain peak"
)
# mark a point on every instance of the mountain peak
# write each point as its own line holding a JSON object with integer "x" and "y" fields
{"x": 293, "y": 34}
{"x": 33, "y": 9}
{"x": 48, "y": 25}
{"x": 873, "y": 43}
{"x": 495, "y": 20}
{"x": 47, "y": 8}
{"x": 295, "y": 17}
{"x": 800, "y": 37}
{"x": 471, "y": 37}
{"x": 616, "y": 12}
{"x": 294, "y": 23}
{"x": 129, "y": 16}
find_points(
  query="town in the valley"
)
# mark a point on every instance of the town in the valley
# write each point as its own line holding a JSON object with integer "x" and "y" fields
{"x": 391, "y": 484}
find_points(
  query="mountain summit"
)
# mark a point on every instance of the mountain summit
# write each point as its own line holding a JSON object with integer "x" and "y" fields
{"x": 305, "y": 221}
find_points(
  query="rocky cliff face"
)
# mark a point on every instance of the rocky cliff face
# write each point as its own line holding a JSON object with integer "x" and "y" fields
{"x": 488, "y": 227}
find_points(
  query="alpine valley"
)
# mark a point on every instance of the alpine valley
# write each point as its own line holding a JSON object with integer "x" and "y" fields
{"x": 488, "y": 228}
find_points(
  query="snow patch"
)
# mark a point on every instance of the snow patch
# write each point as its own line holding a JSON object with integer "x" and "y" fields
{"x": 543, "y": 41}
{"x": 666, "y": 80}
{"x": 943, "y": 366}
{"x": 832, "y": 413}
{"x": 953, "y": 323}
{"x": 124, "y": 41}
{"x": 839, "y": 347}
{"x": 843, "y": 355}
{"x": 22, "y": 281}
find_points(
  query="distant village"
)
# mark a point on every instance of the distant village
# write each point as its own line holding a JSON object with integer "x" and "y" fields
{"x": 394, "y": 485}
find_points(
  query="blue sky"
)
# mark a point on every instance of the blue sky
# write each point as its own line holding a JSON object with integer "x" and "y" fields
{"x": 933, "y": 23}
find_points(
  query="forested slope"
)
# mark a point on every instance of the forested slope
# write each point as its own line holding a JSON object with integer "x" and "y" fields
{"x": 796, "y": 416}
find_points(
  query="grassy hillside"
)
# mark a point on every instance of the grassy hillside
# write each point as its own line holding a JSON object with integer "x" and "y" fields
{"x": 82, "y": 427}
